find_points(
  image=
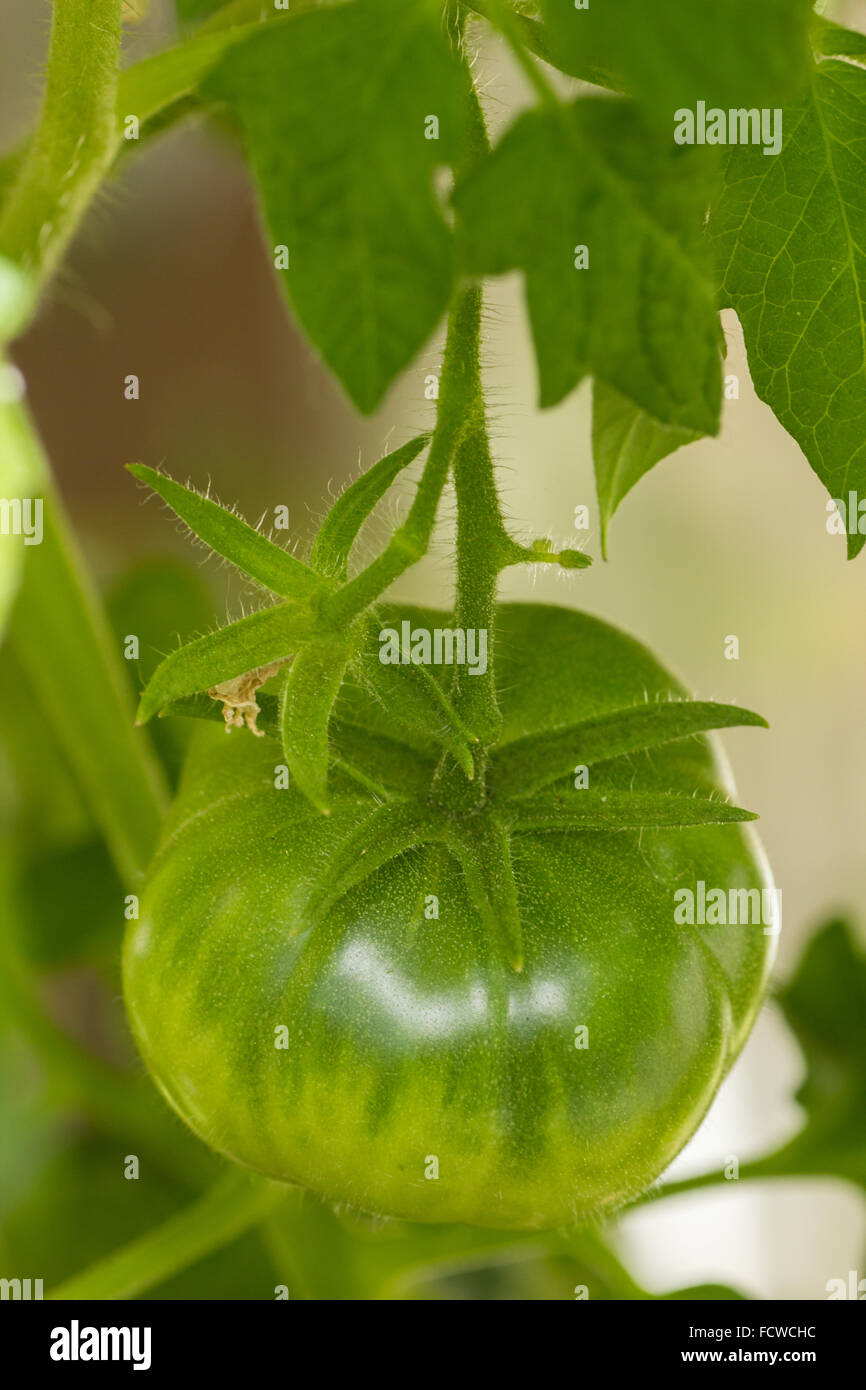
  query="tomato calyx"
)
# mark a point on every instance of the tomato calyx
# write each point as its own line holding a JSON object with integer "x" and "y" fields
{"x": 412, "y": 803}
{"x": 430, "y": 779}
{"x": 320, "y": 630}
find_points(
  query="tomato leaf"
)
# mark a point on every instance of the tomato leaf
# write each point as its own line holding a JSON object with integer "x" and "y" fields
{"x": 789, "y": 233}
{"x": 734, "y": 54}
{"x": 306, "y": 703}
{"x": 569, "y": 58}
{"x": 271, "y": 635}
{"x": 531, "y": 763}
{"x": 825, "y": 1005}
{"x": 337, "y": 107}
{"x": 231, "y": 537}
{"x": 338, "y": 532}
{"x": 640, "y": 314}
{"x": 622, "y": 811}
{"x": 626, "y": 444}
{"x": 150, "y": 86}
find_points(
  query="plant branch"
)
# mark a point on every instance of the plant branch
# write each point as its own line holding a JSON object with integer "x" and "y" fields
{"x": 481, "y": 544}
{"x": 411, "y": 540}
{"x": 235, "y": 1204}
{"x": 759, "y": 1168}
{"x": 62, "y": 639}
{"x": 75, "y": 142}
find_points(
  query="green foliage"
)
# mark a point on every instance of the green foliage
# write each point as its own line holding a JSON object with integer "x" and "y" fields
{"x": 17, "y": 299}
{"x": 163, "y": 602}
{"x": 67, "y": 904}
{"x": 228, "y": 535}
{"x": 531, "y": 763}
{"x": 825, "y": 1005}
{"x": 334, "y": 107}
{"x": 63, "y": 643}
{"x": 309, "y": 694}
{"x": 789, "y": 235}
{"x": 678, "y": 52}
{"x": 354, "y": 117}
{"x": 305, "y": 628}
{"x": 641, "y": 316}
{"x": 194, "y": 11}
{"x": 160, "y": 81}
{"x": 21, "y": 476}
{"x": 626, "y": 444}
{"x": 333, "y": 101}
{"x": 339, "y": 531}
{"x": 261, "y": 639}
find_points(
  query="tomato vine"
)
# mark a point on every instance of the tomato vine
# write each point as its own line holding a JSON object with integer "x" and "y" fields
{"x": 458, "y": 788}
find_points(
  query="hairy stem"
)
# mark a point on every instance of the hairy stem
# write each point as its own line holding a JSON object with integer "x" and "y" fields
{"x": 456, "y": 396}
{"x": 771, "y": 1166}
{"x": 481, "y": 540}
{"x": 75, "y": 142}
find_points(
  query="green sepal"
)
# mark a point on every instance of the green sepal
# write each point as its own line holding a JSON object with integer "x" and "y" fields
{"x": 338, "y": 532}
{"x": 251, "y": 552}
{"x": 387, "y": 832}
{"x": 586, "y": 810}
{"x": 414, "y": 699}
{"x": 306, "y": 702}
{"x": 383, "y": 765}
{"x": 273, "y": 634}
{"x": 481, "y": 843}
{"x": 525, "y": 766}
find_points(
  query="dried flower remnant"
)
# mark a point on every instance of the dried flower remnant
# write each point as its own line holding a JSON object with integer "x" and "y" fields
{"x": 238, "y": 697}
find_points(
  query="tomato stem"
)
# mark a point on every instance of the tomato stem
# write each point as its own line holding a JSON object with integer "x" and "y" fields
{"x": 76, "y": 140}
{"x": 410, "y": 541}
{"x": 236, "y": 1203}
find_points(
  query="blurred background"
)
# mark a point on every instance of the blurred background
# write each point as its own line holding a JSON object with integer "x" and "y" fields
{"x": 169, "y": 280}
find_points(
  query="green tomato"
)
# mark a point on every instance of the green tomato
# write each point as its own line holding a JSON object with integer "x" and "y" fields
{"x": 390, "y": 1057}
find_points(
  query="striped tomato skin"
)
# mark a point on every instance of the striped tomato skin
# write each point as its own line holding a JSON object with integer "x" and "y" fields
{"x": 387, "y": 1055}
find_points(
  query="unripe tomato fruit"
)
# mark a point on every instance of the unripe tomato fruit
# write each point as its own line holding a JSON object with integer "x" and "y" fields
{"x": 422, "y": 1077}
